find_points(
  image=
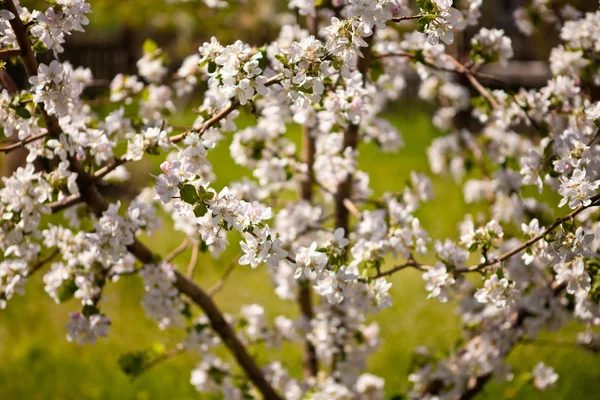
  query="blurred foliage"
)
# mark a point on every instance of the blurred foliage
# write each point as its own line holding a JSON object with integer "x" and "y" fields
{"x": 251, "y": 20}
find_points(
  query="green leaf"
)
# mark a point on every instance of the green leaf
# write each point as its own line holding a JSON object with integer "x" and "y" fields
{"x": 426, "y": 5}
{"x": 200, "y": 210}
{"x": 212, "y": 67}
{"x": 39, "y": 47}
{"x": 89, "y": 310}
{"x": 424, "y": 21}
{"x": 149, "y": 46}
{"x": 282, "y": 59}
{"x": 205, "y": 195}
{"x": 500, "y": 273}
{"x": 23, "y": 112}
{"x": 153, "y": 151}
{"x": 187, "y": 310}
{"x": 156, "y": 258}
{"x": 203, "y": 246}
{"x": 66, "y": 291}
{"x": 549, "y": 150}
{"x": 189, "y": 194}
{"x": 134, "y": 363}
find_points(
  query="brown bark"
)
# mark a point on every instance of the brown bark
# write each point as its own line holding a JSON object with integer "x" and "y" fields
{"x": 351, "y": 136}
{"x": 16, "y": 159}
{"x": 311, "y": 365}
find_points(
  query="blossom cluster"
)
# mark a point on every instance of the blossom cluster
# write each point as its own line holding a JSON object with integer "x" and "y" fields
{"x": 335, "y": 246}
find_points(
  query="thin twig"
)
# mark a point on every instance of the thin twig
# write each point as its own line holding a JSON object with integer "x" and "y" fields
{"x": 220, "y": 115}
{"x": 178, "y": 250}
{"x": 102, "y": 172}
{"x": 64, "y": 203}
{"x": 407, "y": 264}
{"x": 221, "y": 282}
{"x": 8, "y": 53}
{"x": 474, "y": 82}
{"x": 8, "y": 82}
{"x": 350, "y": 206}
{"x": 22, "y": 143}
{"x": 460, "y": 69}
{"x": 591, "y": 141}
{"x": 499, "y": 259}
{"x": 406, "y": 18}
{"x": 193, "y": 259}
{"x": 43, "y": 262}
{"x": 533, "y": 240}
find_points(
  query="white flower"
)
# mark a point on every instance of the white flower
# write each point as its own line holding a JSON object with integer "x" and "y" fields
{"x": 305, "y": 7}
{"x": 532, "y": 167}
{"x": 496, "y": 291}
{"x": 151, "y": 69}
{"x": 310, "y": 262}
{"x": 338, "y": 242}
{"x": 443, "y": 4}
{"x": 442, "y": 27}
{"x": 439, "y": 282}
{"x": 451, "y": 254}
{"x": 54, "y": 88}
{"x": 381, "y": 297}
{"x": 255, "y": 327}
{"x": 491, "y": 45}
{"x": 85, "y": 330}
{"x": 544, "y": 377}
{"x": 370, "y": 387}
{"x": 6, "y": 15}
{"x": 593, "y": 113}
{"x": 577, "y": 190}
{"x": 574, "y": 275}
{"x": 161, "y": 300}
{"x": 210, "y": 374}
{"x": 257, "y": 251}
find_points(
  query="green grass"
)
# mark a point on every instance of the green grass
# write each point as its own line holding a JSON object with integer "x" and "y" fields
{"x": 38, "y": 363}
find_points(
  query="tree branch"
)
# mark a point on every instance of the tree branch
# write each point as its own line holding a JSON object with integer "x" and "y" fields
{"x": 220, "y": 115}
{"x": 344, "y": 190}
{"x": 8, "y": 53}
{"x": 21, "y": 143}
{"x": 408, "y": 264}
{"x": 530, "y": 242}
{"x": 8, "y": 82}
{"x": 559, "y": 221}
{"x": 474, "y": 82}
{"x": 216, "y": 288}
{"x": 43, "y": 262}
{"x": 193, "y": 260}
{"x": 406, "y": 18}
{"x": 460, "y": 69}
{"x": 178, "y": 250}
{"x": 309, "y": 148}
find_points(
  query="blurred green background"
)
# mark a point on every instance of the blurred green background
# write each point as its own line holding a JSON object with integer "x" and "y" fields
{"x": 36, "y": 362}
